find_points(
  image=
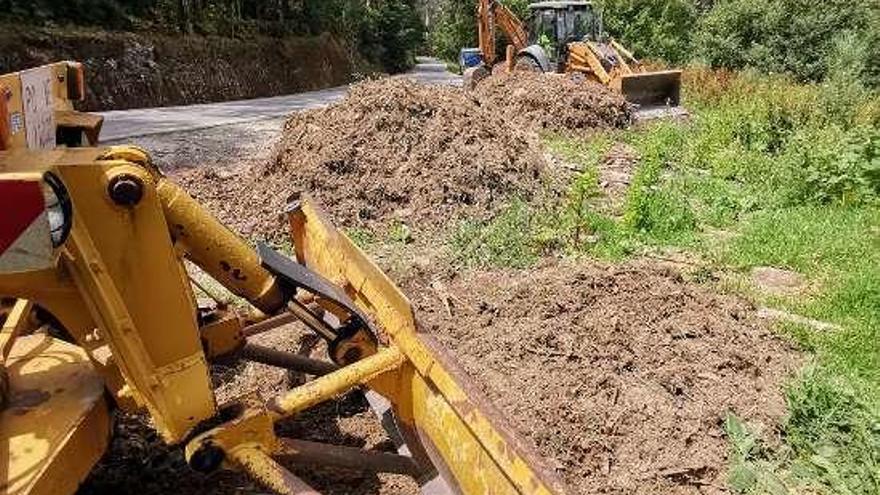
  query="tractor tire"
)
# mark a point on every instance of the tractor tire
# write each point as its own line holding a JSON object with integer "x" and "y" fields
{"x": 526, "y": 63}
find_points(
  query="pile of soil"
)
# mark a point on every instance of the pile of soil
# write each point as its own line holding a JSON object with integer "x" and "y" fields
{"x": 622, "y": 376}
{"x": 392, "y": 150}
{"x": 554, "y": 102}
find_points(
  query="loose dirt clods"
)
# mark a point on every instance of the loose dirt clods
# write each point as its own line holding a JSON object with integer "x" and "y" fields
{"x": 392, "y": 150}
{"x": 554, "y": 102}
{"x": 423, "y": 154}
{"x": 622, "y": 376}
{"x": 395, "y": 150}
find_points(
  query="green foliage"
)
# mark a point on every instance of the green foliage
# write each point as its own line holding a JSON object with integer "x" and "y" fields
{"x": 655, "y": 29}
{"x": 778, "y": 143}
{"x": 834, "y": 434}
{"x": 506, "y": 241}
{"x": 832, "y": 165}
{"x": 391, "y": 33}
{"x": 399, "y": 233}
{"x": 111, "y": 14}
{"x": 363, "y": 238}
{"x": 652, "y": 208}
{"x": 749, "y": 471}
{"x": 797, "y": 37}
{"x": 386, "y": 32}
{"x": 455, "y": 26}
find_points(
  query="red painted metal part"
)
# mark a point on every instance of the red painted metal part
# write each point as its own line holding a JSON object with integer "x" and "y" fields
{"x": 21, "y": 202}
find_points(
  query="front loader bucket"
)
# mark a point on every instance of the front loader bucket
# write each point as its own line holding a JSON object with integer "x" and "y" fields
{"x": 652, "y": 89}
{"x": 447, "y": 425}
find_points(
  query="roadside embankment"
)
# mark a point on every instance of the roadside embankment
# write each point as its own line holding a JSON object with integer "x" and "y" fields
{"x": 134, "y": 70}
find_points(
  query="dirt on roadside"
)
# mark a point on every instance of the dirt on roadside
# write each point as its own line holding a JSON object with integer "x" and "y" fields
{"x": 394, "y": 150}
{"x": 622, "y": 376}
{"x": 552, "y": 102}
{"x": 398, "y": 151}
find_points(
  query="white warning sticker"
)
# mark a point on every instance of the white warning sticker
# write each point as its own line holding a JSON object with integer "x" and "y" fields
{"x": 16, "y": 122}
{"x": 39, "y": 116}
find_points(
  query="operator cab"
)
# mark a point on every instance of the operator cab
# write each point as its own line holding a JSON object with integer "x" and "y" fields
{"x": 553, "y": 25}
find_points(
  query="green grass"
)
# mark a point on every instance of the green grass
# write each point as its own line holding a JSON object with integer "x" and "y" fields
{"x": 506, "y": 241}
{"x": 766, "y": 173}
{"x": 363, "y": 238}
{"x": 834, "y": 425}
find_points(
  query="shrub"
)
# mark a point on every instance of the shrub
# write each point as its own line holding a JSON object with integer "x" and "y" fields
{"x": 656, "y": 29}
{"x": 797, "y": 37}
{"x": 832, "y": 165}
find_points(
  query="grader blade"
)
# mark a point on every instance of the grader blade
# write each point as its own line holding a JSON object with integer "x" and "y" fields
{"x": 440, "y": 413}
{"x": 450, "y": 439}
{"x": 652, "y": 89}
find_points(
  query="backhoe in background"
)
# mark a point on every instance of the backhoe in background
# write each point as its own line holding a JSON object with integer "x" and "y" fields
{"x": 567, "y": 37}
{"x": 100, "y": 314}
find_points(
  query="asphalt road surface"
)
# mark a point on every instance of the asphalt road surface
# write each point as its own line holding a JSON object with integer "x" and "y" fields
{"x": 126, "y": 124}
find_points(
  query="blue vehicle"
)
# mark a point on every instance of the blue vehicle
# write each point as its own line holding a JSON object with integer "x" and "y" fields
{"x": 469, "y": 57}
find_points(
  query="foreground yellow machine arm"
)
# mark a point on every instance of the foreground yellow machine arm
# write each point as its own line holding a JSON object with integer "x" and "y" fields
{"x": 96, "y": 240}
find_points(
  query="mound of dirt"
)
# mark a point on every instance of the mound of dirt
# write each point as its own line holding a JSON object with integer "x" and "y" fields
{"x": 554, "y": 102}
{"x": 621, "y": 376}
{"x": 392, "y": 150}
{"x": 395, "y": 147}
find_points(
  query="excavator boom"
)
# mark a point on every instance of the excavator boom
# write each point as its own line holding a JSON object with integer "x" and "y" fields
{"x": 492, "y": 13}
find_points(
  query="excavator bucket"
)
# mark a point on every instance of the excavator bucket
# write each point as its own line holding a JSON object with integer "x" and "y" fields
{"x": 652, "y": 89}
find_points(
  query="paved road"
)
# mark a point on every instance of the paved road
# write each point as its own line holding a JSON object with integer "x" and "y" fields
{"x": 124, "y": 124}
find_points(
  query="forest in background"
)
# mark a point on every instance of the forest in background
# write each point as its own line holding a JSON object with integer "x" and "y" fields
{"x": 385, "y": 32}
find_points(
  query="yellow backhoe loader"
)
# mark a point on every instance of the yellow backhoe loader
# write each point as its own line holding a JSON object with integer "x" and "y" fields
{"x": 102, "y": 316}
{"x": 567, "y": 37}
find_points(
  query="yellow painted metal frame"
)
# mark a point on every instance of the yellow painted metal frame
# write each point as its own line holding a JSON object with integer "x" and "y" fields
{"x": 66, "y": 115}
{"x": 465, "y": 436}
{"x": 120, "y": 285}
{"x": 121, "y": 289}
{"x": 56, "y": 425}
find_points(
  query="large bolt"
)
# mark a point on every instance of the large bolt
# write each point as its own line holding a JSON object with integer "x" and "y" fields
{"x": 126, "y": 190}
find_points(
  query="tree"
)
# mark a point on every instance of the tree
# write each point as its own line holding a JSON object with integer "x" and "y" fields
{"x": 657, "y": 29}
